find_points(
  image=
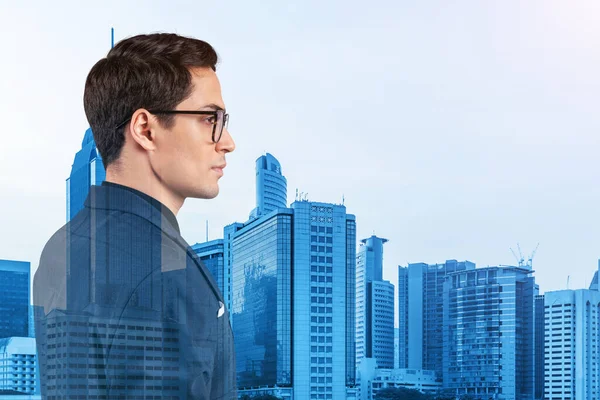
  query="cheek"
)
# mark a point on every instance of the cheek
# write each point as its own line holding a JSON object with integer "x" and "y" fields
{"x": 199, "y": 157}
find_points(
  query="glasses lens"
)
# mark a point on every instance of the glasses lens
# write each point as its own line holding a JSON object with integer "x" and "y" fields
{"x": 221, "y": 121}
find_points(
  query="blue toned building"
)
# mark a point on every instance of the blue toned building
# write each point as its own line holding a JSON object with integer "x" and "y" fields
{"x": 18, "y": 366}
{"x": 372, "y": 379}
{"x": 396, "y": 346}
{"x": 87, "y": 170}
{"x": 540, "y": 330}
{"x": 271, "y": 186}
{"x": 292, "y": 339}
{"x": 374, "y": 306}
{"x": 229, "y": 233}
{"x": 324, "y": 285}
{"x": 572, "y": 344}
{"x": 262, "y": 303}
{"x": 14, "y": 298}
{"x": 420, "y": 313}
{"x": 212, "y": 255}
{"x": 31, "y": 322}
{"x": 488, "y": 333}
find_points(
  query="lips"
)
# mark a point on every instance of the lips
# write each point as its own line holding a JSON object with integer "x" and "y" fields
{"x": 219, "y": 168}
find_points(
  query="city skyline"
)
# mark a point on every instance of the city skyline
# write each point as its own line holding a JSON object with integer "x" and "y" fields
{"x": 255, "y": 289}
{"x": 484, "y": 141}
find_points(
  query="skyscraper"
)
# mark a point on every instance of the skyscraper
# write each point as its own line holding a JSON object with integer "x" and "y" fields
{"x": 262, "y": 302}
{"x": 14, "y": 298}
{"x": 87, "y": 170}
{"x": 229, "y": 233}
{"x": 374, "y": 306}
{"x": 539, "y": 347}
{"x": 292, "y": 294}
{"x": 572, "y": 344}
{"x": 288, "y": 267}
{"x": 420, "y": 308}
{"x": 488, "y": 333}
{"x": 271, "y": 186}
{"x": 324, "y": 270}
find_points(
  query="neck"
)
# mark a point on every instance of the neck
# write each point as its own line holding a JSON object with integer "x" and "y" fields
{"x": 146, "y": 182}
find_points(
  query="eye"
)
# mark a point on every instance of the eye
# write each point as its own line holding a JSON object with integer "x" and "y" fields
{"x": 210, "y": 119}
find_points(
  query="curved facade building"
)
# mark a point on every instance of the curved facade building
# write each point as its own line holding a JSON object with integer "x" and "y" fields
{"x": 271, "y": 186}
{"x": 374, "y": 306}
{"x": 489, "y": 333}
{"x": 87, "y": 170}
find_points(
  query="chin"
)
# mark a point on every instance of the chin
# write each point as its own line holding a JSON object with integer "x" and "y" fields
{"x": 207, "y": 192}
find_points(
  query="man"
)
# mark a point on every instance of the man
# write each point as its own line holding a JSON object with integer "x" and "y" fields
{"x": 123, "y": 306}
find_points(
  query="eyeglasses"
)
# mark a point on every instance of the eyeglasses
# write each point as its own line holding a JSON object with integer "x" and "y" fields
{"x": 221, "y": 119}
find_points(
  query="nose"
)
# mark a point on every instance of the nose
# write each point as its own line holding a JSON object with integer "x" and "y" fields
{"x": 226, "y": 144}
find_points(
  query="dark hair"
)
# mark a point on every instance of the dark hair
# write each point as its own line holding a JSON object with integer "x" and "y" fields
{"x": 144, "y": 71}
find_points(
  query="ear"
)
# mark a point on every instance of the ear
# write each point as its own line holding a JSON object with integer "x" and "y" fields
{"x": 141, "y": 128}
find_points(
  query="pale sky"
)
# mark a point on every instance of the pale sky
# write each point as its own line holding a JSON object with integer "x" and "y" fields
{"x": 453, "y": 129}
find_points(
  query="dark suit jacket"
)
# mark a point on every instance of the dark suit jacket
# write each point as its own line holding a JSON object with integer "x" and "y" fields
{"x": 124, "y": 308}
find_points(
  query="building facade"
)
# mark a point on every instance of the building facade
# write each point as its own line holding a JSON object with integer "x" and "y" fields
{"x": 420, "y": 313}
{"x": 374, "y": 305}
{"x": 271, "y": 186}
{"x": 18, "y": 365}
{"x": 371, "y": 379}
{"x": 14, "y": 298}
{"x": 488, "y": 333}
{"x": 572, "y": 344}
{"x": 288, "y": 266}
{"x": 539, "y": 347}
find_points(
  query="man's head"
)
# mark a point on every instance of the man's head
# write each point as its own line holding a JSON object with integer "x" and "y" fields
{"x": 124, "y": 99}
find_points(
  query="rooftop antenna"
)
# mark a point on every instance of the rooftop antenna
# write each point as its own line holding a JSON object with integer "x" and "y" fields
{"x": 112, "y": 38}
{"x": 344, "y": 200}
{"x": 296, "y": 194}
{"x": 207, "y": 230}
{"x": 568, "y": 277}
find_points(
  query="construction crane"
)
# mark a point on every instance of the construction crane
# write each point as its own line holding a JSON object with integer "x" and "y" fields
{"x": 530, "y": 260}
{"x": 521, "y": 260}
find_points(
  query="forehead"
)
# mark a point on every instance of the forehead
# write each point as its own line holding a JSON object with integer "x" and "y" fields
{"x": 206, "y": 89}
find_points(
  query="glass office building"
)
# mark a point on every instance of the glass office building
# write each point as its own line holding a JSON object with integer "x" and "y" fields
{"x": 293, "y": 301}
{"x": 87, "y": 170}
{"x": 488, "y": 333}
{"x": 262, "y": 302}
{"x": 374, "y": 306}
{"x": 421, "y": 313}
{"x": 14, "y": 298}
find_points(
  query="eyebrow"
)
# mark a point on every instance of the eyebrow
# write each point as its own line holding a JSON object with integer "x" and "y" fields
{"x": 213, "y": 106}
